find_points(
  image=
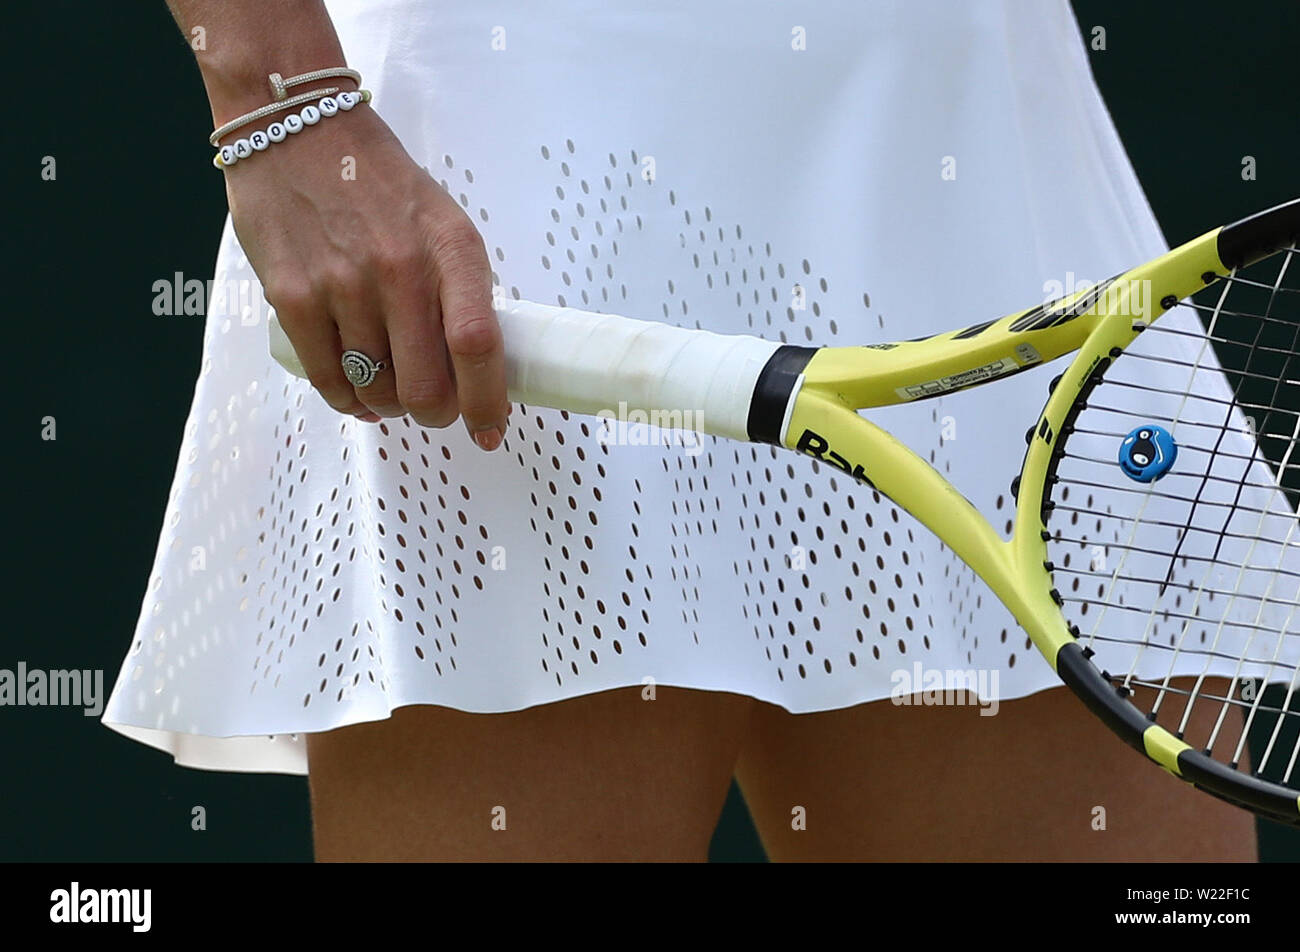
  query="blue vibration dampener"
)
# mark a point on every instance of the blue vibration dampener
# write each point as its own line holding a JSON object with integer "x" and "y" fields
{"x": 1147, "y": 453}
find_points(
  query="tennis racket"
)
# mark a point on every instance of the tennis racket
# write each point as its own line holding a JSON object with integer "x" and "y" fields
{"x": 1171, "y": 432}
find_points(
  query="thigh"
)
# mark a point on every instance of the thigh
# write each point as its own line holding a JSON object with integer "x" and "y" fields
{"x": 886, "y": 782}
{"x": 609, "y": 776}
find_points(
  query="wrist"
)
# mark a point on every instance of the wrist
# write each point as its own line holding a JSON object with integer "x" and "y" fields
{"x": 235, "y": 74}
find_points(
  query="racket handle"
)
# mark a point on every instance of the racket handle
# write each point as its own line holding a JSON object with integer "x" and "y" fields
{"x": 603, "y": 364}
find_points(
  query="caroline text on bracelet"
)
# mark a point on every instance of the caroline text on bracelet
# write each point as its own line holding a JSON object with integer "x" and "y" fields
{"x": 263, "y": 139}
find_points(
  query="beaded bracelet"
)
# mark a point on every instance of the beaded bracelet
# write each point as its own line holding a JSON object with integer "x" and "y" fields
{"x": 261, "y": 140}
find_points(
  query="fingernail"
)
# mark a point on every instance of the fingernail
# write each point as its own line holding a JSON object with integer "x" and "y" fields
{"x": 488, "y": 439}
{"x": 369, "y": 417}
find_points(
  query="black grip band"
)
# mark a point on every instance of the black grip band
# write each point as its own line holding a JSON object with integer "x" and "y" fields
{"x": 1260, "y": 235}
{"x": 772, "y": 392}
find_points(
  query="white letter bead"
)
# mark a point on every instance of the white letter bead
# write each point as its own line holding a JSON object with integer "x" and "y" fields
{"x": 243, "y": 148}
{"x": 310, "y": 115}
{"x": 228, "y": 156}
{"x": 292, "y": 123}
{"x": 328, "y": 105}
{"x": 276, "y": 132}
{"x": 348, "y": 100}
{"x": 259, "y": 141}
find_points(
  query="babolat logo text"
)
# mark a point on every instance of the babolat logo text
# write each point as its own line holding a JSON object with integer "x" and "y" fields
{"x": 950, "y": 687}
{"x": 102, "y": 906}
{"x": 624, "y": 427}
{"x": 32, "y": 687}
{"x": 817, "y": 446}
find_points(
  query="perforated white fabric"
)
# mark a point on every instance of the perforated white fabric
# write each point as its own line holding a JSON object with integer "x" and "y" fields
{"x": 677, "y": 161}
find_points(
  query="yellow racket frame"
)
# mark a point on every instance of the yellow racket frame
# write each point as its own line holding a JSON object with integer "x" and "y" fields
{"x": 839, "y": 381}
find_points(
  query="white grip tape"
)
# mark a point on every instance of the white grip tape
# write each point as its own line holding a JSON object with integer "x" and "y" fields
{"x": 602, "y": 364}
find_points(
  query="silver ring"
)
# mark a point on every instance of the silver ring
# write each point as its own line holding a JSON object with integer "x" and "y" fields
{"x": 360, "y": 369}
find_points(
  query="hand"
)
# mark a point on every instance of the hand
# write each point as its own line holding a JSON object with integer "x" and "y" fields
{"x": 386, "y": 263}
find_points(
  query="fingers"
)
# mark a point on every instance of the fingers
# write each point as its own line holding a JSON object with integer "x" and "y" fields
{"x": 473, "y": 337}
{"x": 422, "y": 375}
{"x": 306, "y": 321}
{"x": 358, "y": 311}
{"x": 423, "y": 307}
{"x": 424, "y": 384}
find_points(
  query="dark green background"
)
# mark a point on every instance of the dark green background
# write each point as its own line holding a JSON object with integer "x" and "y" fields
{"x": 110, "y": 90}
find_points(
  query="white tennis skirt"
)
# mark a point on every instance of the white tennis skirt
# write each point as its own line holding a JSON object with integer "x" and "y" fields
{"x": 822, "y": 173}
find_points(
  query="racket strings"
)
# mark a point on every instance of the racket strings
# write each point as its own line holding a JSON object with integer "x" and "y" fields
{"x": 1156, "y": 494}
{"x": 1151, "y": 521}
{"x": 1244, "y": 707}
{"x": 1162, "y": 554}
{"x": 1208, "y": 653}
{"x": 1223, "y": 341}
{"x": 1167, "y": 613}
{"x": 1196, "y": 397}
{"x": 1208, "y": 592}
{"x": 1247, "y": 374}
{"x": 1223, "y": 454}
{"x": 1243, "y": 482}
{"x": 1267, "y": 321}
{"x": 1209, "y": 402}
{"x": 1199, "y": 572}
{"x": 1252, "y": 690}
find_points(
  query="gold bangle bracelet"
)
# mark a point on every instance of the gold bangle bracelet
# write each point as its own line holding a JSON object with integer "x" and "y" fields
{"x": 278, "y": 87}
